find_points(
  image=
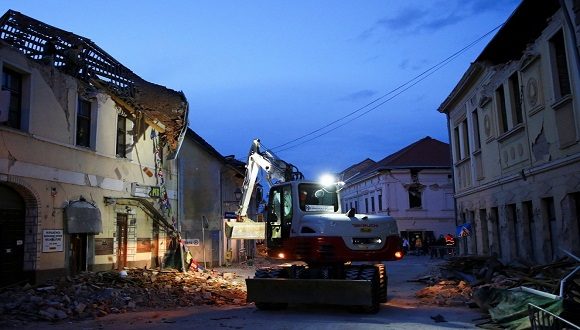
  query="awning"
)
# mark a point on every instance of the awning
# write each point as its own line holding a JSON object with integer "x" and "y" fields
{"x": 83, "y": 217}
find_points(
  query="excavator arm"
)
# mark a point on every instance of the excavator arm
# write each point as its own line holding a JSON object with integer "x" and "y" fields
{"x": 276, "y": 170}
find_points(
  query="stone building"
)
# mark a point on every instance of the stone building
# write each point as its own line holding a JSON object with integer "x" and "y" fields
{"x": 209, "y": 183}
{"x": 413, "y": 185}
{"x": 514, "y": 126}
{"x": 87, "y": 176}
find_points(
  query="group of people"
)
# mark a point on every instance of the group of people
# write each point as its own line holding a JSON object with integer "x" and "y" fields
{"x": 435, "y": 248}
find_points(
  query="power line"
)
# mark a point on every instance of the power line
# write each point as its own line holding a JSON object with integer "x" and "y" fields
{"x": 402, "y": 88}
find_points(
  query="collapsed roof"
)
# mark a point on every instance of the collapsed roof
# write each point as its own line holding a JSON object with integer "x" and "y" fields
{"x": 162, "y": 108}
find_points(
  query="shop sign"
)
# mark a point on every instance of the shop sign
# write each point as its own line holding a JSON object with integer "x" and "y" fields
{"x": 138, "y": 190}
{"x": 52, "y": 240}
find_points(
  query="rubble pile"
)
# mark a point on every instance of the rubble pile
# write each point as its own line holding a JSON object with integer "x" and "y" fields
{"x": 445, "y": 293}
{"x": 459, "y": 277}
{"x": 90, "y": 294}
{"x": 495, "y": 288}
{"x": 479, "y": 271}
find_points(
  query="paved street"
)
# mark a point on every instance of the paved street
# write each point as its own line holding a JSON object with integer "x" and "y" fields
{"x": 400, "y": 312}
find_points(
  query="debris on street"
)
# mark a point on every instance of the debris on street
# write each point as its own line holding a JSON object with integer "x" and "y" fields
{"x": 95, "y": 294}
{"x": 484, "y": 282}
{"x": 445, "y": 293}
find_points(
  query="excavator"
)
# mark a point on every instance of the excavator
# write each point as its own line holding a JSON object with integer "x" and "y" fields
{"x": 327, "y": 256}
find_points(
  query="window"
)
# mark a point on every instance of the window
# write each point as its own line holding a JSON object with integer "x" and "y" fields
{"x": 560, "y": 66}
{"x": 501, "y": 109}
{"x": 356, "y": 206}
{"x": 465, "y": 139}
{"x": 373, "y": 203}
{"x": 415, "y": 201}
{"x": 83, "y": 124}
{"x": 476, "y": 134}
{"x": 516, "y": 99}
{"x": 380, "y": 202}
{"x": 121, "y": 136}
{"x": 509, "y": 106}
{"x": 457, "y": 142}
{"x": 367, "y": 205}
{"x": 12, "y": 83}
{"x": 461, "y": 135}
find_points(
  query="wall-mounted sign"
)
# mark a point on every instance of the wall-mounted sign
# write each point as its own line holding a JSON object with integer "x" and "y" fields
{"x": 193, "y": 241}
{"x": 143, "y": 245}
{"x": 230, "y": 215}
{"x": 52, "y": 240}
{"x": 103, "y": 246}
{"x": 138, "y": 190}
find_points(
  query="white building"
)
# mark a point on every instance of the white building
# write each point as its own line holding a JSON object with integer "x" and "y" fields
{"x": 413, "y": 185}
{"x": 514, "y": 121}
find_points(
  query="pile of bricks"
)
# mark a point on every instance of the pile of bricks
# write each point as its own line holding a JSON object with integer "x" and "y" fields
{"x": 91, "y": 295}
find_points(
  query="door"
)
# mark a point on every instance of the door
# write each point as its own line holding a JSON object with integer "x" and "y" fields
{"x": 121, "y": 240}
{"x": 215, "y": 247}
{"x": 78, "y": 253}
{"x": 155, "y": 247}
{"x": 11, "y": 236}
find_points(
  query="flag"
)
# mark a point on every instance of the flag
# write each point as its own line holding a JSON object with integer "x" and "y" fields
{"x": 464, "y": 230}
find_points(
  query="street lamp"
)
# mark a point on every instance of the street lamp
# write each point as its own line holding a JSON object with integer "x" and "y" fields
{"x": 238, "y": 194}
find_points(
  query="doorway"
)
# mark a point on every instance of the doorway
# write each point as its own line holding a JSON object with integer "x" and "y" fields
{"x": 155, "y": 262}
{"x": 121, "y": 240}
{"x": 11, "y": 236}
{"x": 78, "y": 253}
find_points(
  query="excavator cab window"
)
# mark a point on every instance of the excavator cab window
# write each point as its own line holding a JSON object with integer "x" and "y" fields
{"x": 315, "y": 198}
{"x": 279, "y": 215}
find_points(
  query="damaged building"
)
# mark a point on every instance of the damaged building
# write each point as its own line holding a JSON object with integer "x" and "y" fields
{"x": 88, "y": 178}
{"x": 514, "y": 127}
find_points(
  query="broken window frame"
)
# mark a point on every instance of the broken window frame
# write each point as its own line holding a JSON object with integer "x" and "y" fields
{"x": 415, "y": 192}
{"x": 12, "y": 81}
{"x": 121, "y": 136}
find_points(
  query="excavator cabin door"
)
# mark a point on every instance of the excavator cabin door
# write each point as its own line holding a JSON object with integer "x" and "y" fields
{"x": 280, "y": 212}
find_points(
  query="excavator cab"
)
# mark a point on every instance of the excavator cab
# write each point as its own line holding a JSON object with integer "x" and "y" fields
{"x": 288, "y": 205}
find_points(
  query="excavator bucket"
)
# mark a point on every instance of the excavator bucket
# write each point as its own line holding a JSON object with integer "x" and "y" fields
{"x": 246, "y": 230}
{"x": 310, "y": 291}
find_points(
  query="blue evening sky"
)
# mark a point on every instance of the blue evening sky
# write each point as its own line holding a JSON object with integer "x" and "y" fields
{"x": 278, "y": 70}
